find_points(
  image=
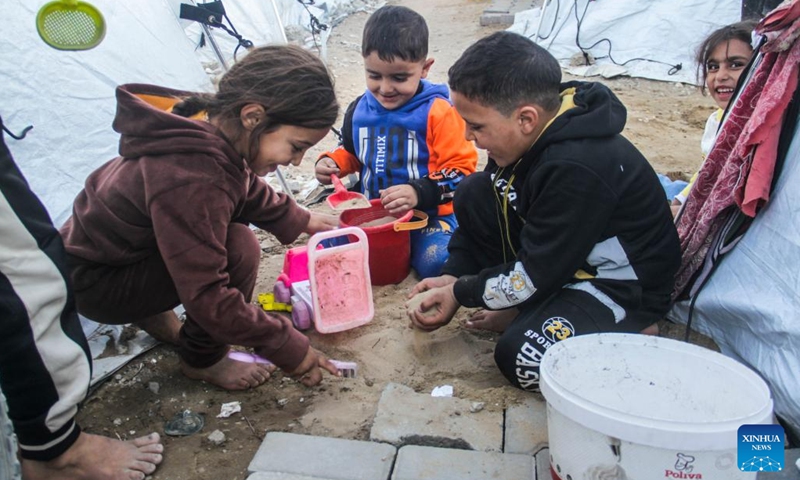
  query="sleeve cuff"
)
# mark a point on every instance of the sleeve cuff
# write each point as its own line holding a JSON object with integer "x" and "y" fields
{"x": 464, "y": 291}
{"x": 291, "y": 354}
{"x": 427, "y": 193}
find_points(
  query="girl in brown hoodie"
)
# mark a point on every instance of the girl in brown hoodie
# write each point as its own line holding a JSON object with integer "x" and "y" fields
{"x": 167, "y": 222}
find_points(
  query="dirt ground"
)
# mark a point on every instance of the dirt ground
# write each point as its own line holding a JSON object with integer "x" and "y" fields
{"x": 665, "y": 120}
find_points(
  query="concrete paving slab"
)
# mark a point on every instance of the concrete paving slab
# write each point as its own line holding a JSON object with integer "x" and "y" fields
{"x": 430, "y": 463}
{"x": 408, "y": 418}
{"x": 281, "y": 476}
{"x": 501, "y": 12}
{"x": 323, "y": 458}
{"x": 526, "y": 426}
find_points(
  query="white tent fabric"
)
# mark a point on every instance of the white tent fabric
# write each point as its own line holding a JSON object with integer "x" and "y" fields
{"x": 668, "y": 31}
{"x": 69, "y": 96}
{"x": 751, "y": 302}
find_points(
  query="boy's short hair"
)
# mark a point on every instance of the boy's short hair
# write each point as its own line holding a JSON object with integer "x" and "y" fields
{"x": 396, "y": 32}
{"x": 506, "y": 70}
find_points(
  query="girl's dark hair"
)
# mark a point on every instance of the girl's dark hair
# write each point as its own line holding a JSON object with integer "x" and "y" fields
{"x": 735, "y": 31}
{"x": 293, "y": 85}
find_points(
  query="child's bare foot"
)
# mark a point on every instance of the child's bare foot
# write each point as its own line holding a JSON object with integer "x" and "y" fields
{"x": 93, "y": 457}
{"x": 164, "y": 327}
{"x": 492, "y": 320}
{"x": 231, "y": 374}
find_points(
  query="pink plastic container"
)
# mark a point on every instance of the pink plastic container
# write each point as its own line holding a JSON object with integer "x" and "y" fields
{"x": 340, "y": 281}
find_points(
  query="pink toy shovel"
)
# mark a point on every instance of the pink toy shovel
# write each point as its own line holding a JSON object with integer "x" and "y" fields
{"x": 342, "y": 199}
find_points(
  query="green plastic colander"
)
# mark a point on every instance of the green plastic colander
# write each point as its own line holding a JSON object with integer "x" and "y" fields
{"x": 70, "y": 25}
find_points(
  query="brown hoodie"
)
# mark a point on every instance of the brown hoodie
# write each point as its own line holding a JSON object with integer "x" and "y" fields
{"x": 175, "y": 188}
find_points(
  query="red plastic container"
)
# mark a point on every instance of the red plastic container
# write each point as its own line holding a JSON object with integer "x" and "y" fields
{"x": 389, "y": 243}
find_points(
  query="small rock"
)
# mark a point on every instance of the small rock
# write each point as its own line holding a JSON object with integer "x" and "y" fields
{"x": 154, "y": 387}
{"x": 282, "y": 402}
{"x": 216, "y": 438}
{"x": 476, "y": 407}
{"x": 117, "y": 421}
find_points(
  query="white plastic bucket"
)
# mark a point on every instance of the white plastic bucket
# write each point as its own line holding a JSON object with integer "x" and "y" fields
{"x": 638, "y": 407}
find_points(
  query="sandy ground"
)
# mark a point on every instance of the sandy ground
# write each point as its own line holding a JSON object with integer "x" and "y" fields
{"x": 665, "y": 121}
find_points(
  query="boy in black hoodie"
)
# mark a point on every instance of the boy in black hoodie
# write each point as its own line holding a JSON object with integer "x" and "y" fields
{"x": 566, "y": 232}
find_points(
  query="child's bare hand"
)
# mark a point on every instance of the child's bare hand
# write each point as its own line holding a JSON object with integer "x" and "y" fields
{"x": 321, "y": 222}
{"x": 435, "y": 310}
{"x": 430, "y": 283}
{"x": 309, "y": 372}
{"x": 324, "y": 168}
{"x": 399, "y": 198}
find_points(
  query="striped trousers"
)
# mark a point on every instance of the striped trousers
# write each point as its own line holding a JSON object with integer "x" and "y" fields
{"x": 45, "y": 366}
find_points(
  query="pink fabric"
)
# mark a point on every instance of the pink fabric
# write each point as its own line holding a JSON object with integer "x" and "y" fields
{"x": 763, "y": 130}
{"x": 740, "y": 167}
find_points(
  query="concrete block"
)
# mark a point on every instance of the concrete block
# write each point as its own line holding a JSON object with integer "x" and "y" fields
{"x": 429, "y": 463}
{"x": 541, "y": 464}
{"x": 408, "y": 418}
{"x": 323, "y": 458}
{"x": 496, "y": 19}
{"x": 526, "y": 426}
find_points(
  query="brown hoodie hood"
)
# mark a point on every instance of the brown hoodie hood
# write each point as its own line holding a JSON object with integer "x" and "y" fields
{"x": 147, "y": 127}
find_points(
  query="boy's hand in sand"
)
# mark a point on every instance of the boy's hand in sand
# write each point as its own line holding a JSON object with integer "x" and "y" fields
{"x": 323, "y": 169}
{"x": 433, "y": 282}
{"x": 399, "y": 198}
{"x": 321, "y": 222}
{"x": 433, "y": 308}
{"x": 309, "y": 372}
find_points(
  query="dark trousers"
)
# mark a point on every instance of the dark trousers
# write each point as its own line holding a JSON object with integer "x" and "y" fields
{"x": 486, "y": 239}
{"x": 45, "y": 367}
{"x": 116, "y": 295}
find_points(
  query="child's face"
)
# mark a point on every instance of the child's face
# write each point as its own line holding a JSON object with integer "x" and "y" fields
{"x": 394, "y": 83}
{"x": 501, "y": 136}
{"x": 284, "y": 146}
{"x": 723, "y": 68}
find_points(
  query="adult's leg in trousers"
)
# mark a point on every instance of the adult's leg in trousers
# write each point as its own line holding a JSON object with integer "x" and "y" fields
{"x": 44, "y": 358}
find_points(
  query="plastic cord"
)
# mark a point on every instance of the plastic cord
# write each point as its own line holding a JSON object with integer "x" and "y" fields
{"x": 673, "y": 68}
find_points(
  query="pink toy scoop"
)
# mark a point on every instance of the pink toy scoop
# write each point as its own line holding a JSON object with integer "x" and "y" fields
{"x": 342, "y": 199}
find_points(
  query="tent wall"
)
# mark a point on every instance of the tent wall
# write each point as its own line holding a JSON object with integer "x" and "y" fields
{"x": 69, "y": 96}
{"x": 751, "y": 304}
{"x": 665, "y": 30}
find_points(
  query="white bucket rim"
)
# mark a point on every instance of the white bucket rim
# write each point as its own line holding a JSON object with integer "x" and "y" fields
{"x": 711, "y": 436}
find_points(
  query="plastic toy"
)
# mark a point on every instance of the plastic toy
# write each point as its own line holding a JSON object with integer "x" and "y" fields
{"x": 270, "y": 304}
{"x": 292, "y": 287}
{"x": 339, "y": 295}
{"x": 346, "y": 369}
{"x": 340, "y": 283}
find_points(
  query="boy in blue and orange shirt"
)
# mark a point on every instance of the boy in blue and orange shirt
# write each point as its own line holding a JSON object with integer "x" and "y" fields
{"x": 403, "y": 135}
